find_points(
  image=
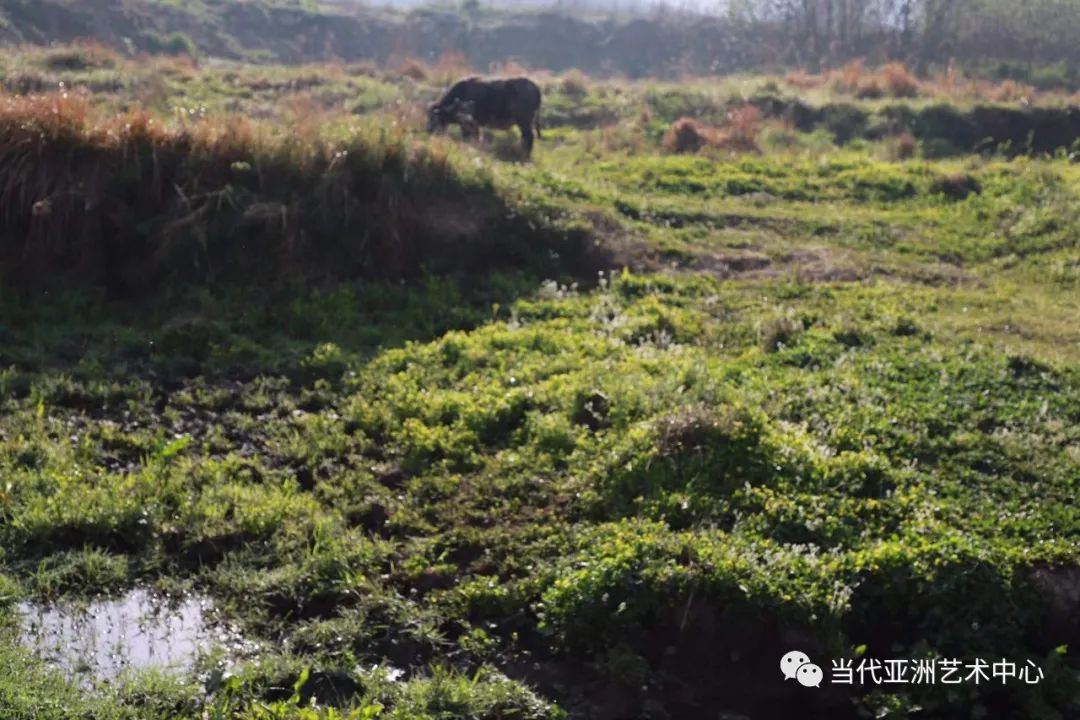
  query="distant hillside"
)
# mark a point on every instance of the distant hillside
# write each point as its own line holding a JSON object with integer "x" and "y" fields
{"x": 294, "y": 32}
{"x": 985, "y": 38}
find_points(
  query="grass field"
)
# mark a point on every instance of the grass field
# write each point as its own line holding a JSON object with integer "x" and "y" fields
{"x": 619, "y": 427}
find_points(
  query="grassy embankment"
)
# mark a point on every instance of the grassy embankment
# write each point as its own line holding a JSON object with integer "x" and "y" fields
{"x": 832, "y": 405}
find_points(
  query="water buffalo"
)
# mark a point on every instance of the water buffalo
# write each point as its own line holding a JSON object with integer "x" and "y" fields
{"x": 474, "y": 103}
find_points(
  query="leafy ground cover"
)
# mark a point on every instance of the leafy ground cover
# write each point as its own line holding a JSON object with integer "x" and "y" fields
{"x": 821, "y": 396}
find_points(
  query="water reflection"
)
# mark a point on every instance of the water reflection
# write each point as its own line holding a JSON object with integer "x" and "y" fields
{"x": 102, "y": 640}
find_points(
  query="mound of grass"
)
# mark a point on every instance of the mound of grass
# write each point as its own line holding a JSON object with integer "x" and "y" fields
{"x": 174, "y": 43}
{"x": 127, "y": 201}
{"x": 81, "y": 56}
{"x": 688, "y": 135}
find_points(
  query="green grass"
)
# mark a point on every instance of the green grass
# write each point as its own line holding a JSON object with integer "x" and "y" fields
{"x": 826, "y": 404}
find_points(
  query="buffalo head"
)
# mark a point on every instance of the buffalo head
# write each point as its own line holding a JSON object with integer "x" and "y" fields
{"x": 437, "y": 119}
{"x": 457, "y": 112}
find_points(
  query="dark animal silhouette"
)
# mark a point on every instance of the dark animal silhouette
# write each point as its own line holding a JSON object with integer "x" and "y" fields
{"x": 474, "y": 103}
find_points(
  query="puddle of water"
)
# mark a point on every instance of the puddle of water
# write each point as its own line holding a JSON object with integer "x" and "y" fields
{"x": 104, "y": 639}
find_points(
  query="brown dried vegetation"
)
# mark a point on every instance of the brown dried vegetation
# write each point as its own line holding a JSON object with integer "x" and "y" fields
{"x": 126, "y": 199}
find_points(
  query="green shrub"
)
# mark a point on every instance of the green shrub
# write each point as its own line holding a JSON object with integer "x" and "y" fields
{"x": 174, "y": 43}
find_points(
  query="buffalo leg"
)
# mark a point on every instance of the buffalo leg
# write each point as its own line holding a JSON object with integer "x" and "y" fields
{"x": 526, "y": 137}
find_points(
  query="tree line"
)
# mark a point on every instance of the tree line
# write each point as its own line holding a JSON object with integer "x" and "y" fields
{"x": 1026, "y": 33}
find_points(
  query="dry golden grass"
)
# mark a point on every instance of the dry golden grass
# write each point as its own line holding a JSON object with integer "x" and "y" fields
{"x": 1011, "y": 91}
{"x": 803, "y": 80}
{"x": 892, "y": 79}
{"x": 80, "y": 55}
{"x": 80, "y": 180}
{"x": 743, "y": 129}
{"x": 740, "y": 134}
{"x": 411, "y": 68}
{"x": 847, "y": 78}
{"x": 687, "y": 135}
{"x": 305, "y": 118}
{"x": 574, "y": 83}
{"x": 452, "y": 65}
{"x": 869, "y": 88}
{"x": 48, "y": 116}
{"x": 898, "y": 81}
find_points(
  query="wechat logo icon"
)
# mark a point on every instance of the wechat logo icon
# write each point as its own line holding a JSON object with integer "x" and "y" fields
{"x": 796, "y": 665}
